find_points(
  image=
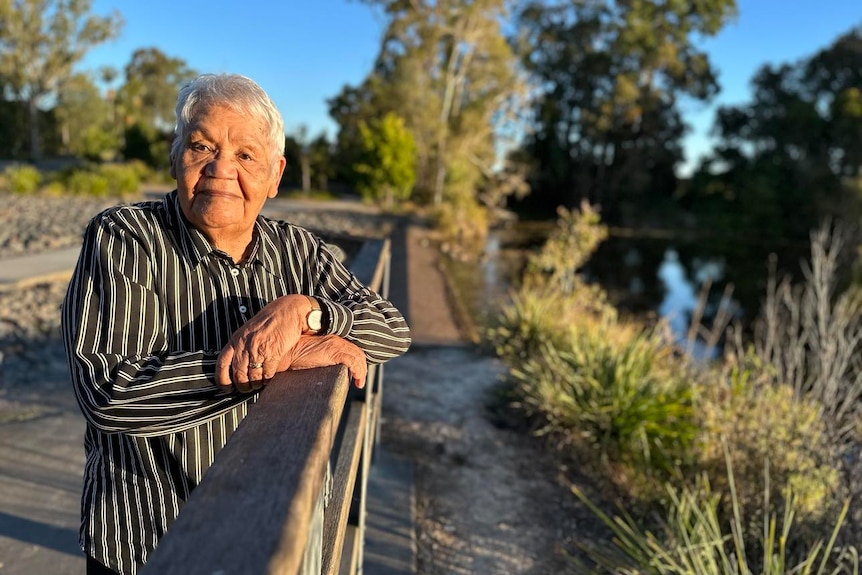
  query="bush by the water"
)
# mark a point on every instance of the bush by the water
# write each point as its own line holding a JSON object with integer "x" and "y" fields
{"x": 665, "y": 430}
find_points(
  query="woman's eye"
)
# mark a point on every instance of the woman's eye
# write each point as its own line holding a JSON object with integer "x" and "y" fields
{"x": 244, "y": 156}
{"x": 198, "y": 147}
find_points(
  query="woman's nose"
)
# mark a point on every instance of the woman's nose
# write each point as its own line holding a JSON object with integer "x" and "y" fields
{"x": 220, "y": 167}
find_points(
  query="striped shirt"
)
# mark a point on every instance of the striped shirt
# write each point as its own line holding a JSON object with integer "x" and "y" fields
{"x": 148, "y": 309}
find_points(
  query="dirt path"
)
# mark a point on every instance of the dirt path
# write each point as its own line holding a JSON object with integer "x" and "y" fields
{"x": 488, "y": 498}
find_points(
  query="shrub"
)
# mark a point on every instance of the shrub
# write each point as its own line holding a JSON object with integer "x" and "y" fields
{"x": 810, "y": 336}
{"x": 88, "y": 183}
{"x": 122, "y": 180}
{"x": 22, "y": 179}
{"x": 533, "y": 319}
{"x": 619, "y": 390}
{"x": 756, "y": 421}
{"x": 696, "y": 539}
{"x": 463, "y": 224}
{"x": 571, "y": 244}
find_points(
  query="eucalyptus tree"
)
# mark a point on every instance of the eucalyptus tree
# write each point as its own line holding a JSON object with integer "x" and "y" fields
{"x": 146, "y": 102}
{"x": 609, "y": 76}
{"x": 40, "y": 42}
{"x": 446, "y": 68}
{"x": 86, "y": 119}
{"x": 149, "y": 93}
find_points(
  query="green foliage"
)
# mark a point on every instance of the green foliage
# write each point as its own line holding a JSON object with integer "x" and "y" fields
{"x": 574, "y": 239}
{"x": 447, "y": 69}
{"x": 40, "y": 42}
{"x": 784, "y": 160}
{"x": 463, "y": 225}
{"x": 808, "y": 336}
{"x": 22, "y": 179}
{"x": 697, "y": 540}
{"x": 149, "y": 95}
{"x": 83, "y": 182}
{"x": 618, "y": 387}
{"x": 386, "y": 165}
{"x": 123, "y": 180}
{"x": 96, "y": 143}
{"x": 755, "y": 421}
{"x": 147, "y": 145}
{"x": 618, "y": 391}
{"x": 106, "y": 179}
{"x": 654, "y": 418}
{"x": 87, "y": 120}
{"x": 608, "y": 127}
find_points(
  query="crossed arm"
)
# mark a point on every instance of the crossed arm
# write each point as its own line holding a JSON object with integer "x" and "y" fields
{"x": 274, "y": 340}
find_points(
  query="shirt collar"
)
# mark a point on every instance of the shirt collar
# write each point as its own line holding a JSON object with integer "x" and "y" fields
{"x": 196, "y": 247}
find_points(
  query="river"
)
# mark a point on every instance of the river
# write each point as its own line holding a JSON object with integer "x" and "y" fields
{"x": 645, "y": 274}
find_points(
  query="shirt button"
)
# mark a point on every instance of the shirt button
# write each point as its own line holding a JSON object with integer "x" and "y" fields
{"x": 243, "y": 309}
{"x": 234, "y": 272}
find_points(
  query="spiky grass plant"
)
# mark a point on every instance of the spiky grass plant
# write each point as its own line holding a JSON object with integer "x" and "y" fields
{"x": 697, "y": 539}
{"x": 618, "y": 389}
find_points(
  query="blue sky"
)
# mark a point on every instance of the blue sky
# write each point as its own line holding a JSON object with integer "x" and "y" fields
{"x": 304, "y": 51}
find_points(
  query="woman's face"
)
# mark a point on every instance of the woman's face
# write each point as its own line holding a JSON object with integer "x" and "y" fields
{"x": 225, "y": 171}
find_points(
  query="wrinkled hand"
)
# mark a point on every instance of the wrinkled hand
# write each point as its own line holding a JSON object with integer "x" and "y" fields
{"x": 264, "y": 339}
{"x": 321, "y": 351}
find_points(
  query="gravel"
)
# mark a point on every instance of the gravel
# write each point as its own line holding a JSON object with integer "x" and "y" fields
{"x": 32, "y": 224}
{"x": 31, "y": 349}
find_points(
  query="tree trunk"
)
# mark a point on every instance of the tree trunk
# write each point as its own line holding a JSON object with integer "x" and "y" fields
{"x": 35, "y": 149}
{"x": 306, "y": 174}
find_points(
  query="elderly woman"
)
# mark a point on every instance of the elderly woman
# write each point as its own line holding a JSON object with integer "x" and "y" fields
{"x": 181, "y": 309}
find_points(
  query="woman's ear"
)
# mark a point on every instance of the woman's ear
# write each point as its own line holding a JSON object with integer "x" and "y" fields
{"x": 279, "y": 171}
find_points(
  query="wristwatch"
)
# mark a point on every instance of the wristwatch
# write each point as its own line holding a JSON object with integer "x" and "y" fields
{"x": 314, "y": 318}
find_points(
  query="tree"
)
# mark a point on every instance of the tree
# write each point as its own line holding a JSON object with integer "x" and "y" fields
{"x": 320, "y": 162}
{"x": 146, "y": 102}
{"x": 40, "y": 42}
{"x": 86, "y": 119}
{"x": 446, "y": 68}
{"x": 352, "y": 106}
{"x": 453, "y": 77}
{"x": 608, "y": 77}
{"x": 790, "y": 156}
{"x": 387, "y": 160}
{"x": 312, "y": 158}
{"x": 149, "y": 93}
{"x": 301, "y": 137}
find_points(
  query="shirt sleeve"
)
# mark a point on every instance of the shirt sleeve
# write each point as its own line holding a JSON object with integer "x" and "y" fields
{"x": 355, "y": 312}
{"x": 124, "y": 377}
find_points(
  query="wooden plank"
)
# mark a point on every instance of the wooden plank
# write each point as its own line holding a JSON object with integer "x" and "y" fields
{"x": 251, "y": 512}
{"x": 350, "y": 557}
{"x": 343, "y": 481}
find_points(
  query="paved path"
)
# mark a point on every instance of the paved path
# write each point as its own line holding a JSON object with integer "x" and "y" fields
{"x": 41, "y": 434}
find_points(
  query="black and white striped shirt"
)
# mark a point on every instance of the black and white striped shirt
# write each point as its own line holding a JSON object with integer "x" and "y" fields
{"x": 148, "y": 309}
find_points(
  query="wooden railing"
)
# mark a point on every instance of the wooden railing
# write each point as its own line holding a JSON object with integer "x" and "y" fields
{"x": 252, "y": 511}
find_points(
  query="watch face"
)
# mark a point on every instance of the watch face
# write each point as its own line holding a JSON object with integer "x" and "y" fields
{"x": 315, "y": 320}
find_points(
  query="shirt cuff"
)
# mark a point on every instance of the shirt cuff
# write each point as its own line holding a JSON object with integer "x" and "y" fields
{"x": 338, "y": 319}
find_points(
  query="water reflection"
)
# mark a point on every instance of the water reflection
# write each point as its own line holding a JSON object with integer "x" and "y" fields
{"x": 643, "y": 276}
{"x": 687, "y": 300}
